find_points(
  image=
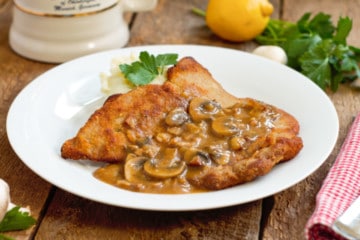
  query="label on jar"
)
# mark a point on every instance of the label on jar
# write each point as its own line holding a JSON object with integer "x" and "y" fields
{"x": 64, "y": 7}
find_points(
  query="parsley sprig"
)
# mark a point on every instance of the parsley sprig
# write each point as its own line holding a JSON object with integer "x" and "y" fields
{"x": 15, "y": 220}
{"x": 316, "y": 48}
{"x": 148, "y": 67}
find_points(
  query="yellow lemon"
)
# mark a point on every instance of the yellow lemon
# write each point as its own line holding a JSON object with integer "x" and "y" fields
{"x": 238, "y": 20}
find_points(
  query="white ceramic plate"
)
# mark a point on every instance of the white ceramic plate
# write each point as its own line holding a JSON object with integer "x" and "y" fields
{"x": 55, "y": 105}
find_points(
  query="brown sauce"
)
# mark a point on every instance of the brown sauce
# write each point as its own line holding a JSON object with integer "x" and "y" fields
{"x": 187, "y": 143}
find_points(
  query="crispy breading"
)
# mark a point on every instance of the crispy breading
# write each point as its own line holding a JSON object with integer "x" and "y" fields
{"x": 126, "y": 119}
{"x": 104, "y": 136}
{"x": 280, "y": 145}
{"x": 134, "y": 115}
{"x": 195, "y": 80}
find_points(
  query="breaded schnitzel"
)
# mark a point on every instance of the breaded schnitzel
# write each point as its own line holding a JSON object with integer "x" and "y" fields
{"x": 103, "y": 138}
{"x": 212, "y": 139}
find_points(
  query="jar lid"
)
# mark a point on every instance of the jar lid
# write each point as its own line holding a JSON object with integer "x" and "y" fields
{"x": 62, "y": 8}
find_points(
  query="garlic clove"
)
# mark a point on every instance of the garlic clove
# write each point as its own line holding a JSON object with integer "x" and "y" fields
{"x": 4, "y": 198}
{"x": 356, "y": 83}
{"x": 271, "y": 52}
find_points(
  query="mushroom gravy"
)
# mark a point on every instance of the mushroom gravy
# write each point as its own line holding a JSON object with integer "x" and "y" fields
{"x": 189, "y": 142}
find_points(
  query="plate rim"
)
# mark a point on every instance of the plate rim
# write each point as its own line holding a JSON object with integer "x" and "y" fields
{"x": 25, "y": 90}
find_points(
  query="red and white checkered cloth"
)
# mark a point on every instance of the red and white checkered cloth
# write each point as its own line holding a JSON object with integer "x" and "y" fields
{"x": 340, "y": 188}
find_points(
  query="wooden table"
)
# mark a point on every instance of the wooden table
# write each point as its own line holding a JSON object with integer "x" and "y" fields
{"x": 61, "y": 215}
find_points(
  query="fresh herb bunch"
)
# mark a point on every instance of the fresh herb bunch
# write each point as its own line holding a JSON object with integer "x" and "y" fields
{"x": 148, "y": 67}
{"x": 316, "y": 48}
{"x": 15, "y": 220}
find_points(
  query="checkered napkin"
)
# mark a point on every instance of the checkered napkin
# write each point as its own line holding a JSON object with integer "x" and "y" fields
{"x": 340, "y": 188}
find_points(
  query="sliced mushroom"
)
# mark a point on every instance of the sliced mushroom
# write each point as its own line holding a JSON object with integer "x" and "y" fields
{"x": 202, "y": 109}
{"x": 164, "y": 172}
{"x": 221, "y": 158}
{"x": 176, "y": 117}
{"x": 219, "y": 154}
{"x": 143, "y": 141}
{"x": 225, "y": 126}
{"x": 195, "y": 157}
{"x": 133, "y": 169}
{"x": 166, "y": 165}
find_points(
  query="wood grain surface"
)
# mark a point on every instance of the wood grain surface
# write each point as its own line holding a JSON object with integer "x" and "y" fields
{"x": 62, "y": 215}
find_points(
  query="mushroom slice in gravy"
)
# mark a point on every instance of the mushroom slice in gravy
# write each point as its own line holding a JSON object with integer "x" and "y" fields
{"x": 192, "y": 143}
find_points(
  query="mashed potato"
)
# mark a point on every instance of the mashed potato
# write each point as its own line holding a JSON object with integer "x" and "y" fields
{"x": 114, "y": 81}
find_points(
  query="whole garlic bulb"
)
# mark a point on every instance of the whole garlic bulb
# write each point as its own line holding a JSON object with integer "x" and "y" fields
{"x": 4, "y": 198}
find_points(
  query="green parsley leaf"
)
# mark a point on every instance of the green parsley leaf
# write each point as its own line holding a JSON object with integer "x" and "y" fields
{"x": 16, "y": 220}
{"x": 315, "y": 64}
{"x": 147, "y": 68}
{"x": 295, "y": 48}
{"x": 328, "y": 64}
{"x": 276, "y": 32}
{"x": 316, "y": 48}
{"x": 137, "y": 73}
{"x": 321, "y": 24}
{"x": 148, "y": 62}
{"x": 163, "y": 60}
{"x": 343, "y": 29}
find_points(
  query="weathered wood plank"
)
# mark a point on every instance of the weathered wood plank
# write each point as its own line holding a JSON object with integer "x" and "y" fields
{"x": 179, "y": 25}
{"x": 292, "y": 208}
{"x": 26, "y": 188}
{"x": 71, "y": 217}
{"x": 170, "y": 23}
